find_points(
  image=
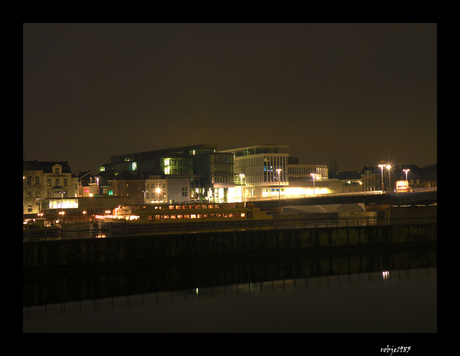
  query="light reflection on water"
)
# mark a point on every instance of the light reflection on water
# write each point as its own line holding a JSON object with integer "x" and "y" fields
{"x": 386, "y": 301}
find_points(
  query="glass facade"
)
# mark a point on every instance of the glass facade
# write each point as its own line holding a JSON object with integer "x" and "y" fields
{"x": 182, "y": 165}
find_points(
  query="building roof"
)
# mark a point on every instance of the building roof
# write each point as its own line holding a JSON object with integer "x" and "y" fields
{"x": 346, "y": 175}
{"x": 45, "y": 166}
{"x": 180, "y": 151}
{"x": 248, "y": 147}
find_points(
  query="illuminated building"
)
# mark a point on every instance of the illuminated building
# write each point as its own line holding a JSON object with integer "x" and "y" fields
{"x": 239, "y": 174}
{"x": 268, "y": 173}
{"x": 206, "y": 169}
{"x": 140, "y": 189}
{"x": 170, "y": 189}
{"x": 45, "y": 180}
{"x": 88, "y": 185}
{"x": 304, "y": 171}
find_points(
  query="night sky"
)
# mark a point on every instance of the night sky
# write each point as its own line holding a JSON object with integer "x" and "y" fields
{"x": 358, "y": 93}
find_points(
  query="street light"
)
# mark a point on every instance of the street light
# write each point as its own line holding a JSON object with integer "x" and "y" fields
{"x": 279, "y": 189}
{"x": 158, "y": 191}
{"x": 381, "y": 169}
{"x": 405, "y": 171}
{"x": 313, "y": 176}
{"x": 389, "y": 178}
{"x": 241, "y": 183}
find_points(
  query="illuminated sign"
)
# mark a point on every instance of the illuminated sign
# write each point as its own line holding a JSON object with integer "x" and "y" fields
{"x": 402, "y": 185}
{"x": 63, "y": 204}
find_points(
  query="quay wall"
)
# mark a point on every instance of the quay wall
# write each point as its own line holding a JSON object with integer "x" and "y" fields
{"x": 138, "y": 250}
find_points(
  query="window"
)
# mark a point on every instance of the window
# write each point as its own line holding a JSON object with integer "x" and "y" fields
{"x": 65, "y": 182}
{"x": 57, "y": 181}
{"x": 37, "y": 180}
{"x": 56, "y": 170}
{"x": 48, "y": 182}
{"x": 184, "y": 191}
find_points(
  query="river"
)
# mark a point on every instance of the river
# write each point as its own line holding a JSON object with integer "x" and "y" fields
{"x": 378, "y": 293}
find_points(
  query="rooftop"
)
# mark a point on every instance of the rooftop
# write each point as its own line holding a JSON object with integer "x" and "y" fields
{"x": 232, "y": 150}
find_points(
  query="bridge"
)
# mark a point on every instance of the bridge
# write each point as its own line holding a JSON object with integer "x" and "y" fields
{"x": 425, "y": 197}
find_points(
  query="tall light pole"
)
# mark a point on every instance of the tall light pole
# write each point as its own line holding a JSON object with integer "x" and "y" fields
{"x": 405, "y": 171}
{"x": 407, "y": 183}
{"x": 381, "y": 169}
{"x": 242, "y": 187}
{"x": 313, "y": 176}
{"x": 389, "y": 178}
{"x": 279, "y": 189}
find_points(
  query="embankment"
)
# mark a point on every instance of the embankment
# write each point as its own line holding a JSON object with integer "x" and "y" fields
{"x": 92, "y": 254}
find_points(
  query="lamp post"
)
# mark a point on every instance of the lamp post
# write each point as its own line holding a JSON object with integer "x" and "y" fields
{"x": 405, "y": 171}
{"x": 389, "y": 178}
{"x": 242, "y": 187}
{"x": 279, "y": 189}
{"x": 381, "y": 169}
{"x": 407, "y": 183}
{"x": 313, "y": 176}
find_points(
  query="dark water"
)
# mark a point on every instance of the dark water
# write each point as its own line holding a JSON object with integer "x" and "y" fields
{"x": 375, "y": 293}
{"x": 377, "y": 302}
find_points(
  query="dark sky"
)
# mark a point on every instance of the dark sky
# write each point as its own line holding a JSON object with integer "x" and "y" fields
{"x": 354, "y": 92}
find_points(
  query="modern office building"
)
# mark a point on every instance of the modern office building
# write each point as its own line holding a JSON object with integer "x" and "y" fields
{"x": 265, "y": 172}
{"x": 210, "y": 173}
{"x": 238, "y": 174}
{"x": 260, "y": 168}
{"x": 305, "y": 171}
